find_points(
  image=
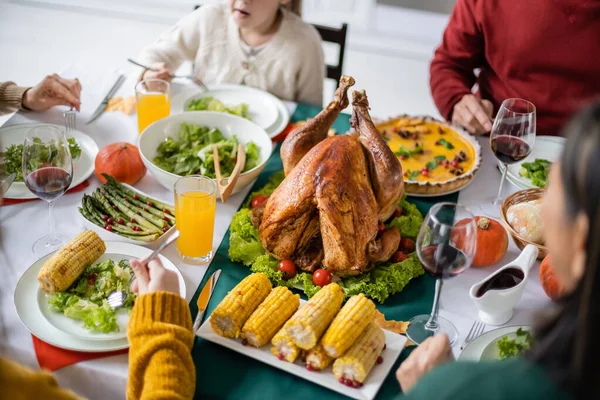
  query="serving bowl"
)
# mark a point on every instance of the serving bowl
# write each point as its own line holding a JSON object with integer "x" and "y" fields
{"x": 522, "y": 196}
{"x": 228, "y": 124}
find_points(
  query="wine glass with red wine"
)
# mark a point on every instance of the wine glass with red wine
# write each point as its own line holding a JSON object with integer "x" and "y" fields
{"x": 512, "y": 137}
{"x": 47, "y": 173}
{"x": 446, "y": 247}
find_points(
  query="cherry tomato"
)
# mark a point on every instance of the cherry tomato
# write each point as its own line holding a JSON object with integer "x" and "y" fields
{"x": 398, "y": 212}
{"x": 288, "y": 269}
{"x": 380, "y": 227}
{"x": 258, "y": 200}
{"x": 321, "y": 277}
{"x": 407, "y": 245}
{"x": 398, "y": 257}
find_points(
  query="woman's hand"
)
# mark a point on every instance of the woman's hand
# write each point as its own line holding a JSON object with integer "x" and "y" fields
{"x": 53, "y": 91}
{"x": 432, "y": 352}
{"x": 153, "y": 278}
{"x": 161, "y": 73}
{"x": 474, "y": 114}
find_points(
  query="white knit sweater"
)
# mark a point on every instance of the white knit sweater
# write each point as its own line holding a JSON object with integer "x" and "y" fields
{"x": 290, "y": 66}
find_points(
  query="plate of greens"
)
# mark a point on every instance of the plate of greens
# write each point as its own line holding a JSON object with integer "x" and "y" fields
{"x": 253, "y": 104}
{"x": 499, "y": 344}
{"x": 533, "y": 171}
{"x": 83, "y": 150}
{"x": 78, "y": 319}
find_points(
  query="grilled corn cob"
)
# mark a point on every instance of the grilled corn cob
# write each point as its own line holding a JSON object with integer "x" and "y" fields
{"x": 232, "y": 313}
{"x": 65, "y": 266}
{"x": 283, "y": 347}
{"x": 357, "y": 362}
{"x": 317, "y": 359}
{"x": 347, "y": 325}
{"x": 270, "y": 316}
{"x": 311, "y": 320}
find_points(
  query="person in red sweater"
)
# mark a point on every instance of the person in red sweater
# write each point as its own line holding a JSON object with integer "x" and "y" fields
{"x": 544, "y": 51}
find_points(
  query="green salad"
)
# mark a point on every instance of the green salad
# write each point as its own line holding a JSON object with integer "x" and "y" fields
{"x": 381, "y": 282}
{"x": 536, "y": 171}
{"x": 86, "y": 300}
{"x": 191, "y": 152}
{"x": 209, "y": 103}
{"x": 14, "y": 156}
{"x": 509, "y": 348}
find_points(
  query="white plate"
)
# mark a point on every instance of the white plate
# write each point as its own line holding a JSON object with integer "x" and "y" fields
{"x": 82, "y": 168}
{"x": 546, "y": 147}
{"x": 262, "y": 106}
{"x": 56, "y": 329}
{"x": 282, "y": 120}
{"x": 484, "y": 347}
{"x": 395, "y": 344}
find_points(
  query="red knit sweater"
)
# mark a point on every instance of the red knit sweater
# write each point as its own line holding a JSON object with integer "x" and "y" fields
{"x": 545, "y": 51}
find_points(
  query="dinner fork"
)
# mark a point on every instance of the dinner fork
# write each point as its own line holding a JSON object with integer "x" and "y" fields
{"x": 476, "y": 331}
{"x": 191, "y": 77}
{"x": 69, "y": 120}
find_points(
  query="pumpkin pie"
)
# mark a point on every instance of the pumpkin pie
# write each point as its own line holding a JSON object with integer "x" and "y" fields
{"x": 437, "y": 158}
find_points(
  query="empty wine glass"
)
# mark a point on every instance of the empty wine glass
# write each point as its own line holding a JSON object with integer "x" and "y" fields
{"x": 511, "y": 140}
{"x": 47, "y": 172}
{"x": 446, "y": 247}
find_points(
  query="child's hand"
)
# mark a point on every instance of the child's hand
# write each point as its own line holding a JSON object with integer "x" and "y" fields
{"x": 161, "y": 73}
{"x": 153, "y": 278}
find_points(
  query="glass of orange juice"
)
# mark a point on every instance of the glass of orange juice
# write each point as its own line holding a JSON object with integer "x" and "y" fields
{"x": 153, "y": 101}
{"x": 195, "y": 208}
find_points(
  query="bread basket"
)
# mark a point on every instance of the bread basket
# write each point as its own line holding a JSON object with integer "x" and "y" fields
{"x": 516, "y": 198}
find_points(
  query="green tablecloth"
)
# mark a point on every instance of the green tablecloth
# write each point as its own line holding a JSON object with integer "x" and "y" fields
{"x": 223, "y": 373}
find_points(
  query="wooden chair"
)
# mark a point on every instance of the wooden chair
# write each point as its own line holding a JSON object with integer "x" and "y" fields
{"x": 335, "y": 35}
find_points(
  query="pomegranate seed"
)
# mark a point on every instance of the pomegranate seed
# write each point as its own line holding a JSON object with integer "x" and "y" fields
{"x": 280, "y": 356}
{"x": 150, "y": 203}
{"x": 108, "y": 228}
{"x": 425, "y": 172}
{"x": 415, "y": 136}
{"x": 454, "y": 164}
{"x": 120, "y": 221}
{"x": 138, "y": 213}
{"x": 379, "y": 360}
{"x": 111, "y": 221}
{"x": 114, "y": 207}
{"x": 439, "y": 162}
{"x": 356, "y": 384}
{"x": 309, "y": 367}
{"x": 135, "y": 196}
{"x": 406, "y": 174}
{"x": 165, "y": 219}
{"x": 244, "y": 342}
{"x": 165, "y": 229}
{"x": 342, "y": 380}
{"x": 105, "y": 218}
{"x": 384, "y": 346}
{"x": 403, "y": 157}
{"x": 146, "y": 209}
{"x": 166, "y": 211}
{"x": 132, "y": 220}
{"x": 437, "y": 142}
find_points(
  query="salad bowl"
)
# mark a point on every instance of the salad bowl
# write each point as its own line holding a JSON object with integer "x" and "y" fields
{"x": 229, "y": 125}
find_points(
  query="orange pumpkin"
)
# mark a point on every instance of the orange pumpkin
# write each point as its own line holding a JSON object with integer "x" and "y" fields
{"x": 492, "y": 241}
{"x": 122, "y": 161}
{"x": 552, "y": 287}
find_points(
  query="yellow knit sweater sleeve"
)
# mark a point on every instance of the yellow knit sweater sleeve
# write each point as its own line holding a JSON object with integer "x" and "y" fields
{"x": 160, "y": 339}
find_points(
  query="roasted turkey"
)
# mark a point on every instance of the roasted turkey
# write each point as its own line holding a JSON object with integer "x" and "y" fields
{"x": 336, "y": 191}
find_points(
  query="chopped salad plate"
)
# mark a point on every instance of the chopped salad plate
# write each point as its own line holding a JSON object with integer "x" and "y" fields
{"x": 31, "y": 304}
{"x": 394, "y": 345}
{"x": 484, "y": 347}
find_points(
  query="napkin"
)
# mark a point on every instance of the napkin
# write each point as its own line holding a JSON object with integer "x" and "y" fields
{"x": 52, "y": 358}
{"x": 78, "y": 188}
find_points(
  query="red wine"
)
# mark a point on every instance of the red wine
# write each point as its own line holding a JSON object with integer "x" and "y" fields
{"x": 48, "y": 183}
{"x": 443, "y": 261}
{"x": 508, "y": 278}
{"x": 510, "y": 149}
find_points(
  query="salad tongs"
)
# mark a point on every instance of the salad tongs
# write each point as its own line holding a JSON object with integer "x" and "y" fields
{"x": 226, "y": 185}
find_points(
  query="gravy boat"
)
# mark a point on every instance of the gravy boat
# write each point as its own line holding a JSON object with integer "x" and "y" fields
{"x": 496, "y": 305}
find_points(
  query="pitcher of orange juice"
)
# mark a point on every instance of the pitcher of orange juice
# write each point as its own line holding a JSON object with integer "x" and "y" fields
{"x": 195, "y": 208}
{"x": 153, "y": 101}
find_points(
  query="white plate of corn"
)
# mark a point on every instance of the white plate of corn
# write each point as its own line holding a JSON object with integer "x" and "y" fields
{"x": 338, "y": 347}
{"x": 52, "y": 273}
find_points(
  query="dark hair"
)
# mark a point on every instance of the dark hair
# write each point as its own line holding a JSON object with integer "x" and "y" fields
{"x": 568, "y": 345}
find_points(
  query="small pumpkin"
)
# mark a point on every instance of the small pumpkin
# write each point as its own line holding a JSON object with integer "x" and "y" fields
{"x": 492, "y": 241}
{"x": 122, "y": 161}
{"x": 552, "y": 287}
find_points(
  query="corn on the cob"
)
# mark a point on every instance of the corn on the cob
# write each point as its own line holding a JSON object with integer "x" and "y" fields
{"x": 311, "y": 320}
{"x": 270, "y": 316}
{"x": 65, "y": 266}
{"x": 317, "y": 359}
{"x": 232, "y": 313}
{"x": 347, "y": 325}
{"x": 283, "y": 347}
{"x": 357, "y": 362}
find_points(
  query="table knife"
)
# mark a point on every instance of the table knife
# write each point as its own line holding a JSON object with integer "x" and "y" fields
{"x": 204, "y": 298}
{"x": 102, "y": 107}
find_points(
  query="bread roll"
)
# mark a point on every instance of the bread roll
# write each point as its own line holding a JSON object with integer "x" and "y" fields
{"x": 526, "y": 220}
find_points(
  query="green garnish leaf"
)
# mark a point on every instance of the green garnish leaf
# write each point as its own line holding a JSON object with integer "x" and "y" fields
{"x": 431, "y": 165}
{"x": 211, "y": 104}
{"x": 537, "y": 171}
{"x": 446, "y": 144}
{"x": 412, "y": 175}
{"x": 509, "y": 348}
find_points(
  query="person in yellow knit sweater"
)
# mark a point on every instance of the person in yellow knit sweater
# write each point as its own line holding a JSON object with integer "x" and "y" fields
{"x": 160, "y": 339}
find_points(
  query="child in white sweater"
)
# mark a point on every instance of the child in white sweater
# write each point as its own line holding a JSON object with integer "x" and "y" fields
{"x": 259, "y": 43}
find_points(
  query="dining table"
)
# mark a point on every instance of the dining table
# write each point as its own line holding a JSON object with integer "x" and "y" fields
{"x": 221, "y": 373}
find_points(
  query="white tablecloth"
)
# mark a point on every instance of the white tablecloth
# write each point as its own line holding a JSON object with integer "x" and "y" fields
{"x": 21, "y": 225}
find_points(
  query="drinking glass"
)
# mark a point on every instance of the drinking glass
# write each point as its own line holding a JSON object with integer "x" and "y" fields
{"x": 195, "y": 208}
{"x": 153, "y": 101}
{"x": 446, "y": 247}
{"x": 511, "y": 140}
{"x": 47, "y": 172}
